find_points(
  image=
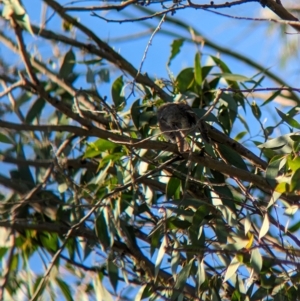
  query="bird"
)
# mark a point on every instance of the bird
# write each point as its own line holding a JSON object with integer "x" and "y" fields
{"x": 177, "y": 120}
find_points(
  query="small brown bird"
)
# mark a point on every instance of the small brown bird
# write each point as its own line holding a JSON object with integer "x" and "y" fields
{"x": 177, "y": 120}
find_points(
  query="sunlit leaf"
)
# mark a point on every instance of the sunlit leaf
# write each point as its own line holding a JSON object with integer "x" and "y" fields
{"x": 182, "y": 278}
{"x": 232, "y": 268}
{"x": 264, "y": 227}
{"x": 289, "y": 120}
{"x": 160, "y": 255}
{"x": 233, "y": 77}
{"x": 184, "y": 80}
{"x": 201, "y": 273}
{"x": 256, "y": 260}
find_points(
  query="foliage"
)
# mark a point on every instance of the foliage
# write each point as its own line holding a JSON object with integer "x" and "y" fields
{"x": 96, "y": 205}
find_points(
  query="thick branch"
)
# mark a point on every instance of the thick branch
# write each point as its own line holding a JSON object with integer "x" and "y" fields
{"x": 281, "y": 12}
{"x": 108, "y": 53}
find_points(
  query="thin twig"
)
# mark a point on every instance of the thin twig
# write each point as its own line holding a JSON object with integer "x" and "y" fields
{"x": 150, "y": 42}
{"x": 295, "y": 23}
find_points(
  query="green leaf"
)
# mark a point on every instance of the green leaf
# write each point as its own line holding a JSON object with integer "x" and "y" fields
{"x": 197, "y": 67}
{"x": 293, "y": 164}
{"x": 232, "y": 77}
{"x": 264, "y": 227}
{"x": 117, "y": 92}
{"x": 247, "y": 224}
{"x": 260, "y": 294}
{"x": 201, "y": 213}
{"x": 292, "y": 229}
{"x": 232, "y": 268}
{"x": 175, "y": 49}
{"x": 232, "y": 157}
{"x": 185, "y": 79}
{"x": 160, "y": 255}
{"x": 144, "y": 292}
{"x": 112, "y": 270}
{"x": 100, "y": 290}
{"x": 240, "y": 135}
{"x": 15, "y": 9}
{"x": 100, "y": 178}
{"x": 24, "y": 171}
{"x": 96, "y": 148}
{"x": 182, "y": 279}
{"x": 295, "y": 181}
{"x": 173, "y": 188}
{"x": 215, "y": 295}
{"x": 289, "y": 120}
{"x": 67, "y": 65}
{"x": 274, "y": 197}
{"x": 230, "y": 102}
{"x": 201, "y": 275}
{"x": 91, "y": 62}
{"x": 135, "y": 113}
{"x": 175, "y": 258}
{"x": 221, "y": 231}
{"x": 255, "y": 110}
{"x": 65, "y": 289}
{"x": 206, "y": 70}
{"x": 284, "y": 143}
{"x": 49, "y": 241}
{"x": 36, "y": 110}
{"x": 221, "y": 64}
{"x": 101, "y": 230}
{"x": 271, "y": 98}
{"x": 256, "y": 260}
{"x": 5, "y": 139}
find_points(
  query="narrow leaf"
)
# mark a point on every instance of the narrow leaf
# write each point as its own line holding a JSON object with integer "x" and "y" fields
{"x": 201, "y": 273}
{"x": 233, "y": 77}
{"x": 289, "y": 120}
{"x": 232, "y": 157}
{"x": 173, "y": 188}
{"x": 265, "y": 227}
{"x": 198, "y": 71}
{"x": 160, "y": 255}
{"x": 247, "y": 224}
{"x": 116, "y": 92}
{"x": 182, "y": 278}
{"x": 65, "y": 289}
{"x": 271, "y": 98}
{"x": 232, "y": 268}
{"x": 5, "y": 139}
{"x": 67, "y": 64}
{"x": 256, "y": 260}
{"x": 112, "y": 270}
{"x": 35, "y": 110}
